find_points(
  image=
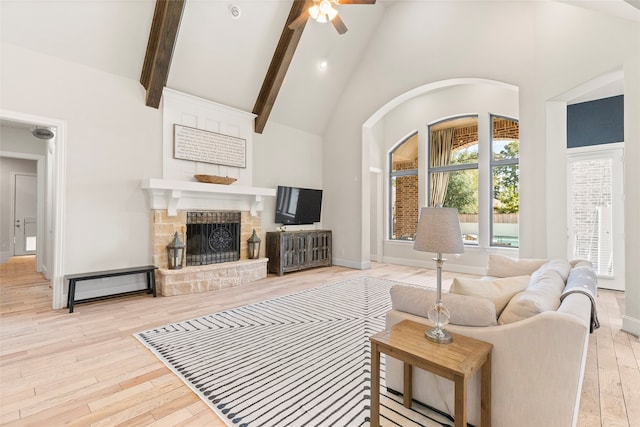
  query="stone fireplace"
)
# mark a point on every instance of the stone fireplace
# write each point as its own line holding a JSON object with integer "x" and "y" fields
{"x": 221, "y": 219}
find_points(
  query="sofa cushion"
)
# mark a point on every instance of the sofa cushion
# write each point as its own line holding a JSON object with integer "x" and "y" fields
{"x": 555, "y": 268}
{"x": 498, "y": 290}
{"x": 503, "y": 266}
{"x": 542, "y": 294}
{"x": 465, "y": 310}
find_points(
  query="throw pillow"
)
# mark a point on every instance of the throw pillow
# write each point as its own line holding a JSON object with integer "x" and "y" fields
{"x": 555, "y": 268}
{"x": 542, "y": 294}
{"x": 465, "y": 310}
{"x": 527, "y": 304}
{"x": 499, "y": 291}
{"x": 503, "y": 266}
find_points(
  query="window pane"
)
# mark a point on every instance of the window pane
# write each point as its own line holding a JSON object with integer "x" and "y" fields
{"x": 505, "y": 152}
{"x": 454, "y": 142}
{"x": 462, "y": 193}
{"x": 404, "y": 189}
{"x": 405, "y": 156}
{"x": 505, "y": 141}
{"x": 506, "y": 205}
{"x": 465, "y": 155}
{"x": 591, "y": 199}
{"x": 404, "y": 207}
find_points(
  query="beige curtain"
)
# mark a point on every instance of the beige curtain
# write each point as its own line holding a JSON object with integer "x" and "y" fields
{"x": 440, "y": 155}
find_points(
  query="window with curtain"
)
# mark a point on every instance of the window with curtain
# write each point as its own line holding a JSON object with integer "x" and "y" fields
{"x": 455, "y": 165}
{"x": 453, "y": 171}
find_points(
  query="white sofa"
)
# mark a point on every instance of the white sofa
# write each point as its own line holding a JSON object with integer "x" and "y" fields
{"x": 538, "y": 359}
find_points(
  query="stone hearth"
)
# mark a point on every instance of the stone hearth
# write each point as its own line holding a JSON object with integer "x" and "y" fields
{"x": 210, "y": 277}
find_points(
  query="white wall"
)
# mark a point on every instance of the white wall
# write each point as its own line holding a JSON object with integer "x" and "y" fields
{"x": 113, "y": 141}
{"x": 286, "y": 156}
{"x": 436, "y": 50}
{"x": 543, "y": 48}
{"x": 187, "y": 110}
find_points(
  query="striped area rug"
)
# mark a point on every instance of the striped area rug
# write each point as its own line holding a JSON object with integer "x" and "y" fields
{"x": 297, "y": 360}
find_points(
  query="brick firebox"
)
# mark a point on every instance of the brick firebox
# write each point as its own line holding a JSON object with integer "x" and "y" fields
{"x": 203, "y": 278}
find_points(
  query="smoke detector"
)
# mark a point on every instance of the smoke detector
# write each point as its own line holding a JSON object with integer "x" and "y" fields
{"x": 235, "y": 11}
{"x": 42, "y": 133}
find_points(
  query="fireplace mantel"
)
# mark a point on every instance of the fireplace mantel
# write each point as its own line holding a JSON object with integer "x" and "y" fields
{"x": 184, "y": 195}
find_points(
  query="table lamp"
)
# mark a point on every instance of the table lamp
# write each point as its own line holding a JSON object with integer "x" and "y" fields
{"x": 439, "y": 232}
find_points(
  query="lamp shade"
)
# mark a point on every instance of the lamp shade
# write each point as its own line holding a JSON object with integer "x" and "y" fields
{"x": 439, "y": 231}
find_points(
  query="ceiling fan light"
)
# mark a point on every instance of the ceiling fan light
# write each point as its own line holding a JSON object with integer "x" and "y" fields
{"x": 314, "y": 11}
{"x": 322, "y": 18}
{"x": 325, "y": 7}
{"x": 332, "y": 14}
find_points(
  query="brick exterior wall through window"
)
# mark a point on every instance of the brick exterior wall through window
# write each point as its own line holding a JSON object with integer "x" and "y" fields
{"x": 406, "y": 201}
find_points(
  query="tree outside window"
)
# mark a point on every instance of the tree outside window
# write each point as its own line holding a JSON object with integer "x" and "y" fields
{"x": 505, "y": 168}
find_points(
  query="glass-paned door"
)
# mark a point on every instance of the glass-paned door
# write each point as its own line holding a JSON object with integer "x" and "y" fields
{"x": 596, "y": 216}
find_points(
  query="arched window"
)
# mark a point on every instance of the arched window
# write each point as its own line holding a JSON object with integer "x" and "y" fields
{"x": 403, "y": 189}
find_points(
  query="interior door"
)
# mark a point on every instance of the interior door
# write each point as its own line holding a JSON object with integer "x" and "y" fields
{"x": 596, "y": 213}
{"x": 24, "y": 214}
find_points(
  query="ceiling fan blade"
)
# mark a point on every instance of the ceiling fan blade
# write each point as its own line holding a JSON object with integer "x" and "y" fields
{"x": 296, "y": 23}
{"x": 356, "y": 1}
{"x": 338, "y": 23}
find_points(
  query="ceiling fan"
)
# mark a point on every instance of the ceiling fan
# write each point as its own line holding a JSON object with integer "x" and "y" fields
{"x": 324, "y": 11}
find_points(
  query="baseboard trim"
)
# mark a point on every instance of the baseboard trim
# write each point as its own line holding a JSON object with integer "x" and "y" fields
{"x": 364, "y": 265}
{"x": 631, "y": 325}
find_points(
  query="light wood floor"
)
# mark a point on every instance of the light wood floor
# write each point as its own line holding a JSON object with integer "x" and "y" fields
{"x": 86, "y": 368}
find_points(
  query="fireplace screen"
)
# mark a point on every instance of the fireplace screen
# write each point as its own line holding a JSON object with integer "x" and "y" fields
{"x": 213, "y": 237}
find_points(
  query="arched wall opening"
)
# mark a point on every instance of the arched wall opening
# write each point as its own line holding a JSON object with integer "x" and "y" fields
{"x": 414, "y": 111}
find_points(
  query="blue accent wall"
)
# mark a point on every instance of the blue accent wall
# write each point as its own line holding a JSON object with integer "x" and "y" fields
{"x": 595, "y": 122}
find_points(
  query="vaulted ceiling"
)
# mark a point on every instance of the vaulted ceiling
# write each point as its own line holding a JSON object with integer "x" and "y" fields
{"x": 216, "y": 56}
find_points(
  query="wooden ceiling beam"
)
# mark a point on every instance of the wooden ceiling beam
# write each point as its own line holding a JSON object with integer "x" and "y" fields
{"x": 280, "y": 62}
{"x": 162, "y": 40}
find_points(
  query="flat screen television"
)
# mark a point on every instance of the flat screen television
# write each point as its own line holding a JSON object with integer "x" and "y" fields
{"x": 295, "y": 205}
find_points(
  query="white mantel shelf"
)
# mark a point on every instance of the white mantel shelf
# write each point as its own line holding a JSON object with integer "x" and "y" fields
{"x": 175, "y": 195}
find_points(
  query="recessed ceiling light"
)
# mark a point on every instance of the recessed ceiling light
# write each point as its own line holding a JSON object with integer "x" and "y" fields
{"x": 324, "y": 64}
{"x": 235, "y": 11}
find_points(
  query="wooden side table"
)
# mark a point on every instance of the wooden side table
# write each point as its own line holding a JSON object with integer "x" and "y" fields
{"x": 456, "y": 361}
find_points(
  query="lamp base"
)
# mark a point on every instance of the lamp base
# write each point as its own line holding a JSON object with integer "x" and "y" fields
{"x": 439, "y": 336}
